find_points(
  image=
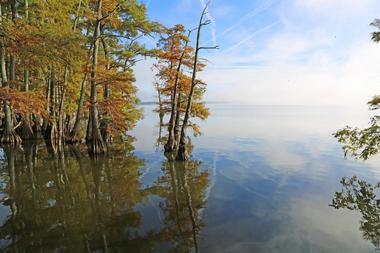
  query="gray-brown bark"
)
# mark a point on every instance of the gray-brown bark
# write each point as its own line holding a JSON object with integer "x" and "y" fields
{"x": 26, "y": 70}
{"x": 104, "y": 129}
{"x": 9, "y": 135}
{"x": 74, "y": 134}
{"x": 177, "y": 126}
{"x": 61, "y": 126}
{"x": 51, "y": 132}
{"x": 25, "y": 130}
{"x": 182, "y": 153}
{"x": 172, "y": 141}
{"x": 94, "y": 138}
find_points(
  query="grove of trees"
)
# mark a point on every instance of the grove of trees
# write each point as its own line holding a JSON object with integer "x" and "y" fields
{"x": 67, "y": 72}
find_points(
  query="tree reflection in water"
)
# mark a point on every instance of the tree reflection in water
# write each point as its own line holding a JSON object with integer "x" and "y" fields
{"x": 183, "y": 188}
{"x": 74, "y": 203}
{"x": 358, "y": 195}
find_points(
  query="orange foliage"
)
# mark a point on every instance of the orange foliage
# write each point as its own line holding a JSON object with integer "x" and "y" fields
{"x": 24, "y": 102}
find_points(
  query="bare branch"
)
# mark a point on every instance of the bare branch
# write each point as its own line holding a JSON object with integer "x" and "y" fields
{"x": 208, "y": 48}
{"x": 19, "y": 124}
{"x": 207, "y": 22}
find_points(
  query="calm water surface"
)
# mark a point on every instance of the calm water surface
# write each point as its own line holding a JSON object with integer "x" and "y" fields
{"x": 260, "y": 180}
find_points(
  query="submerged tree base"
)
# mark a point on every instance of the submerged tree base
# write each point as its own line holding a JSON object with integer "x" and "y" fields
{"x": 169, "y": 148}
{"x": 170, "y": 156}
{"x": 25, "y": 130}
{"x": 96, "y": 146}
{"x": 74, "y": 139}
{"x": 10, "y": 137}
{"x": 182, "y": 153}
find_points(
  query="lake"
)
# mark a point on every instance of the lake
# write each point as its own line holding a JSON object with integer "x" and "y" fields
{"x": 261, "y": 179}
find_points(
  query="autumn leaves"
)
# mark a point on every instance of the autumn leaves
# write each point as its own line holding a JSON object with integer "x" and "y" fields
{"x": 67, "y": 72}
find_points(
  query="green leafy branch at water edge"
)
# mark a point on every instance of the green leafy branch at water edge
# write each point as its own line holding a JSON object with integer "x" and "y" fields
{"x": 358, "y": 195}
{"x": 360, "y": 143}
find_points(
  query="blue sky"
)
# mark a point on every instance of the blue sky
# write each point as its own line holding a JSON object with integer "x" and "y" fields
{"x": 280, "y": 51}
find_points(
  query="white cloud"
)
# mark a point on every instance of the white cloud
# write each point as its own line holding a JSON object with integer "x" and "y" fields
{"x": 306, "y": 62}
{"x": 321, "y": 53}
{"x": 317, "y": 81}
{"x": 335, "y": 6}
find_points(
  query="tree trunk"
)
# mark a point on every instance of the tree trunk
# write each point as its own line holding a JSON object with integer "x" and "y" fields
{"x": 25, "y": 130}
{"x": 95, "y": 140}
{"x": 182, "y": 154}
{"x": 74, "y": 135}
{"x": 26, "y": 70}
{"x": 37, "y": 128}
{"x": 177, "y": 126}
{"x": 61, "y": 127}
{"x": 12, "y": 71}
{"x": 9, "y": 135}
{"x": 171, "y": 144}
{"x": 104, "y": 129}
{"x": 51, "y": 132}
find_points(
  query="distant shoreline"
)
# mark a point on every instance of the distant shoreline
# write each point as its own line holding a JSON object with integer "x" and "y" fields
{"x": 155, "y": 103}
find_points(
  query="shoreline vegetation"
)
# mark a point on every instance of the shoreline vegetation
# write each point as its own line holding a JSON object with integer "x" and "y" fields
{"x": 67, "y": 73}
{"x": 362, "y": 144}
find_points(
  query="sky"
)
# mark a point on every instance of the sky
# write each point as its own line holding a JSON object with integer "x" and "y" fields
{"x": 279, "y": 52}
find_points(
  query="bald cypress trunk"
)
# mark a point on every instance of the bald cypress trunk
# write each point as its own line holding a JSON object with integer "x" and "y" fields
{"x": 183, "y": 154}
{"x": 104, "y": 128}
{"x": 25, "y": 130}
{"x": 171, "y": 145}
{"x": 9, "y": 135}
{"x": 26, "y": 70}
{"x": 94, "y": 138}
{"x": 61, "y": 126}
{"x": 74, "y": 134}
{"x": 51, "y": 132}
{"x": 177, "y": 126}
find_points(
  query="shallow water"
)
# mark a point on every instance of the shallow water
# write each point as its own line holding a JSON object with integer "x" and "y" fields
{"x": 261, "y": 179}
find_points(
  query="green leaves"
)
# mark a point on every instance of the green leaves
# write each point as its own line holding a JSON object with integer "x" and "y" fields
{"x": 376, "y": 35}
{"x": 358, "y": 195}
{"x": 360, "y": 143}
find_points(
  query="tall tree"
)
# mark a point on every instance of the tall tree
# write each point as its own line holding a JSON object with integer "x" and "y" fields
{"x": 9, "y": 135}
{"x": 94, "y": 137}
{"x": 182, "y": 154}
{"x": 181, "y": 95}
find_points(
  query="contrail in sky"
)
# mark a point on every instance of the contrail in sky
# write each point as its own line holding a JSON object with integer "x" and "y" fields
{"x": 263, "y": 7}
{"x": 213, "y": 22}
{"x": 251, "y": 36}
